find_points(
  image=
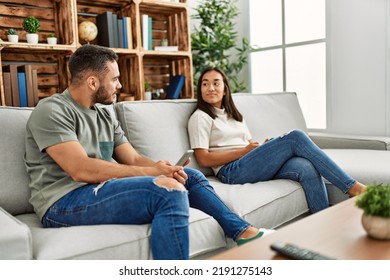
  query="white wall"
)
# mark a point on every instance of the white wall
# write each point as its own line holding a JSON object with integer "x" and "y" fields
{"x": 357, "y": 66}
{"x": 358, "y": 57}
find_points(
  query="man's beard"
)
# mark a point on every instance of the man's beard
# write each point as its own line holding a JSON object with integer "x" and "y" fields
{"x": 103, "y": 97}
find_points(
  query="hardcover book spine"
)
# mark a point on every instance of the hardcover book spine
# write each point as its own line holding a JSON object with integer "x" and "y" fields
{"x": 105, "y": 29}
{"x": 145, "y": 32}
{"x": 22, "y": 89}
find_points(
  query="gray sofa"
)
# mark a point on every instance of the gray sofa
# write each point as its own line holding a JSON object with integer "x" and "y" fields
{"x": 158, "y": 129}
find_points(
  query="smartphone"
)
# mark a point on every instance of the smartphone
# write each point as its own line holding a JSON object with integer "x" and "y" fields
{"x": 187, "y": 154}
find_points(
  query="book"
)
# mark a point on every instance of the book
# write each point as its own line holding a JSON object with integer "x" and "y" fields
{"x": 166, "y": 48}
{"x": 115, "y": 30}
{"x": 105, "y": 29}
{"x": 120, "y": 33}
{"x": 124, "y": 30}
{"x": 176, "y": 84}
{"x": 22, "y": 89}
{"x": 150, "y": 32}
{"x": 7, "y": 88}
{"x": 31, "y": 85}
{"x": 145, "y": 32}
{"x": 129, "y": 33}
{"x": 13, "y": 70}
{"x": 35, "y": 86}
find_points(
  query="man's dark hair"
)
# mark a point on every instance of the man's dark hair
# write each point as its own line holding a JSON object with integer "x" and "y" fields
{"x": 89, "y": 59}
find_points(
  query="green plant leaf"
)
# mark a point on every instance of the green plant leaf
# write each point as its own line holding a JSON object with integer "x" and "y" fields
{"x": 214, "y": 42}
{"x": 375, "y": 200}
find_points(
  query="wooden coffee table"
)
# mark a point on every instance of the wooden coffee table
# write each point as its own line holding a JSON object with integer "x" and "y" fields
{"x": 335, "y": 232}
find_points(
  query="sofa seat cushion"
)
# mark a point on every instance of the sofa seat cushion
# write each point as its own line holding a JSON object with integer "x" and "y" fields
{"x": 115, "y": 241}
{"x": 264, "y": 204}
{"x": 366, "y": 166}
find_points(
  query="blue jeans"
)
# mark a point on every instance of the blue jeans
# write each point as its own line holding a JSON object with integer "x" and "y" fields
{"x": 138, "y": 200}
{"x": 291, "y": 156}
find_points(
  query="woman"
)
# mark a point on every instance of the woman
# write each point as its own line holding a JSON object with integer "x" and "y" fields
{"x": 221, "y": 140}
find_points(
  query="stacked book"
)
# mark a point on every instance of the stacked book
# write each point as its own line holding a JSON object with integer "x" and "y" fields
{"x": 20, "y": 85}
{"x": 114, "y": 32}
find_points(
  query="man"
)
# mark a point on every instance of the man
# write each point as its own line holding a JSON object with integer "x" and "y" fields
{"x": 69, "y": 146}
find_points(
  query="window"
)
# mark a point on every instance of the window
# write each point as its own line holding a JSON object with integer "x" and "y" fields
{"x": 290, "y": 55}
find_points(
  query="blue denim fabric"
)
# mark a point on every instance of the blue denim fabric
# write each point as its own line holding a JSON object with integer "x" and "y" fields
{"x": 291, "y": 156}
{"x": 134, "y": 200}
{"x": 137, "y": 200}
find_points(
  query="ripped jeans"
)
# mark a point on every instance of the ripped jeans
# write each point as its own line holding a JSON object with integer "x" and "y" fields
{"x": 138, "y": 200}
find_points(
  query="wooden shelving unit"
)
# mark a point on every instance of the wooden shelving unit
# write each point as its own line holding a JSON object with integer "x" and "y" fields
{"x": 137, "y": 66}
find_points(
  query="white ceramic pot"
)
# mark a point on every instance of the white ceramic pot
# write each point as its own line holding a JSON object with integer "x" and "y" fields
{"x": 32, "y": 38}
{"x": 13, "y": 38}
{"x": 148, "y": 95}
{"x": 376, "y": 227}
{"x": 52, "y": 40}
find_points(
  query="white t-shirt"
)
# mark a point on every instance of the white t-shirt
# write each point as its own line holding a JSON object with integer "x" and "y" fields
{"x": 221, "y": 133}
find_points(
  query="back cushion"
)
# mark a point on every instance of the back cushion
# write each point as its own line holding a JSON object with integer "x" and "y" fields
{"x": 158, "y": 129}
{"x": 271, "y": 114}
{"x": 14, "y": 190}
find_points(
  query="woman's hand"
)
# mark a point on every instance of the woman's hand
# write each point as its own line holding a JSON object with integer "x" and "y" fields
{"x": 251, "y": 146}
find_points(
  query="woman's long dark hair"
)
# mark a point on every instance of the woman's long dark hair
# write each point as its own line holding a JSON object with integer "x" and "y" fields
{"x": 227, "y": 100}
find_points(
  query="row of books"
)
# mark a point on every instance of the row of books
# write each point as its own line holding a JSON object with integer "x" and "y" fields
{"x": 147, "y": 39}
{"x": 20, "y": 85}
{"x": 114, "y": 32}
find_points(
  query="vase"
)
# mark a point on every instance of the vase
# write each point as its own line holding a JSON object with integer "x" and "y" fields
{"x": 52, "y": 40}
{"x": 376, "y": 227}
{"x": 13, "y": 38}
{"x": 32, "y": 38}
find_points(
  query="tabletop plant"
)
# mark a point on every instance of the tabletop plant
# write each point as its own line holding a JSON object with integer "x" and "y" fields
{"x": 375, "y": 201}
{"x": 31, "y": 24}
{"x": 11, "y": 31}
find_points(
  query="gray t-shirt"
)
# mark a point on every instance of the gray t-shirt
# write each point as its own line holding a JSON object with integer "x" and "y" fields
{"x": 59, "y": 119}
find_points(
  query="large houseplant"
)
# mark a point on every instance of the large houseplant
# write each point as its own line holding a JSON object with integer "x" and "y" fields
{"x": 375, "y": 202}
{"x": 215, "y": 42}
{"x": 31, "y": 25}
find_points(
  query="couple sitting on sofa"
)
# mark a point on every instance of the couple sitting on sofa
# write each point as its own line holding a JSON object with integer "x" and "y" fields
{"x": 70, "y": 143}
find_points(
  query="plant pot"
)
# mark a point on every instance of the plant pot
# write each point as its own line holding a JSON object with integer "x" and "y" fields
{"x": 376, "y": 227}
{"x": 13, "y": 38}
{"x": 32, "y": 38}
{"x": 52, "y": 40}
{"x": 148, "y": 95}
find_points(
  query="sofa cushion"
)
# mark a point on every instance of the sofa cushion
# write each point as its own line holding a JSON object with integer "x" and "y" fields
{"x": 14, "y": 190}
{"x": 264, "y": 204}
{"x": 115, "y": 241}
{"x": 272, "y": 114}
{"x": 366, "y": 166}
{"x": 15, "y": 238}
{"x": 158, "y": 129}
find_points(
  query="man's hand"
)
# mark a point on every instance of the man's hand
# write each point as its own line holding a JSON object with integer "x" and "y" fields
{"x": 176, "y": 172}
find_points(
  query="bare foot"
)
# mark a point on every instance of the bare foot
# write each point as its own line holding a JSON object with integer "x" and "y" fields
{"x": 356, "y": 189}
{"x": 249, "y": 232}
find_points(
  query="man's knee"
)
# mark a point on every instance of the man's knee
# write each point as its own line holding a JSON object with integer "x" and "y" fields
{"x": 169, "y": 183}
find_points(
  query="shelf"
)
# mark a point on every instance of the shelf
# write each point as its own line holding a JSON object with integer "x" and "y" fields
{"x": 62, "y": 17}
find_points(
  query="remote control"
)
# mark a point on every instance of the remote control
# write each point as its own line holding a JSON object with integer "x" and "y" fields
{"x": 297, "y": 253}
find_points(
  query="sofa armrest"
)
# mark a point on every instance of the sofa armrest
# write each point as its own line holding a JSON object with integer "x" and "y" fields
{"x": 339, "y": 141}
{"x": 15, "y": 238}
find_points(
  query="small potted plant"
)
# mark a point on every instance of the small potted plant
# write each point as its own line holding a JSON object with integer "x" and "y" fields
{"x": 12, "y": 36}
{"x": 375, "y": 202}
{"x": 51, "y": 39}
{"x": 31, "y": 25}
{"x": 148, "y": 93}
